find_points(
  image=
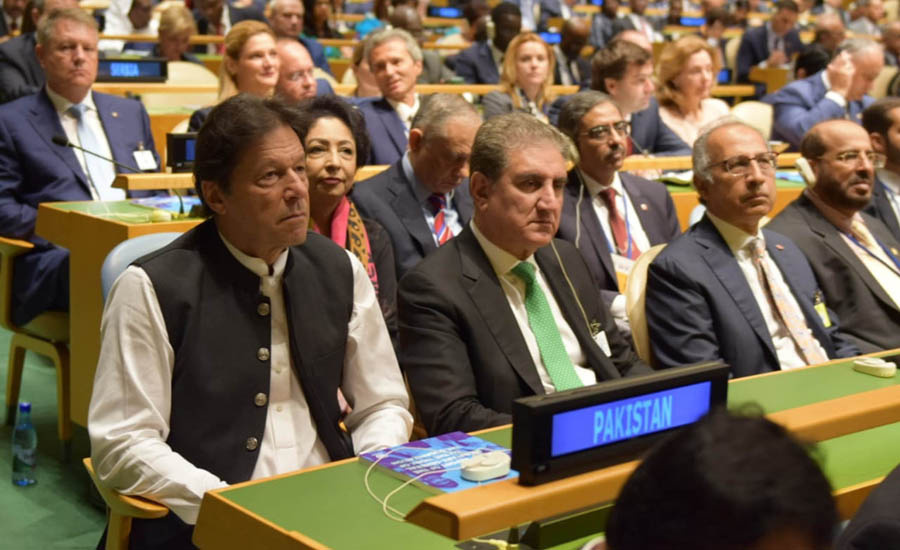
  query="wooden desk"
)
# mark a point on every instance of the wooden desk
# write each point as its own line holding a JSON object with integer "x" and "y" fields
{"x": 138, "y": 88}
{"x": 90, "y": 234}
{"x": 774, "y": 78}
{"x": 160, "y": 125}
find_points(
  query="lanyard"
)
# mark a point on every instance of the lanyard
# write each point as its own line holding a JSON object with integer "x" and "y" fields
{"x": 895, "y": 269}
{"x": 609, "y": 242}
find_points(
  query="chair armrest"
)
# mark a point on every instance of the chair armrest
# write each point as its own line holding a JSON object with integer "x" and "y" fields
{"x": 126, "y": 505}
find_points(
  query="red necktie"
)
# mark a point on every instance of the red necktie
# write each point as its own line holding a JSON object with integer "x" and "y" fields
{"x": 441, "y": 229}
{"x": 617, "y": 224}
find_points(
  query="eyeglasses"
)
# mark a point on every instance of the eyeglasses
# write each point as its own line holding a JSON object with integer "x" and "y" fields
{"x": 623, "y": 128}
{"x": 742, "y": 165}
{"x": 853, "y": 157}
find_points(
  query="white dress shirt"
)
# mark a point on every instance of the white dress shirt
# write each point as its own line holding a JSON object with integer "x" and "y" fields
{"x": 406, "y": 112}
{"x": 70, "y": 127}
{"x": 514, "y": 288}
{"x": 891, "y": 180}
{"x": 831, "y": 94}
{"x": 740, "y": 243}
{"x": 451, "y": 216}
{"x": 879, "y": 265}
{"x": 128, "y": 419}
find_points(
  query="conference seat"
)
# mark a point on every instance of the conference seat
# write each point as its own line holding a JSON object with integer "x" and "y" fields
{"x": 731, "y": 51}
{"x": 882, "y": 81}
{"x": 120, "y": 257}
{"x": 47, "y": 335}
{"x": 635, "y": 294}
{"x": 121, "y": 509}
{"x": 757, "y": 114}
{"x": 184, "y": 73}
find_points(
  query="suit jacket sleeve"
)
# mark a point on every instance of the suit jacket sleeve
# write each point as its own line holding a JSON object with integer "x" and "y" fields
{"x": 464, "y": 67}
{"x": 668, "y": 143}
{"x": 13, "y": 83}
{"x": 745, "y": 59}
{"x": 496, "y": 103}
{"x": 794, "y": 117}
{"x": 383, "y": 258}
{"x": 16, "y": 218}
{"x": 435, "y": 359}
{"x": 679, "y": 320}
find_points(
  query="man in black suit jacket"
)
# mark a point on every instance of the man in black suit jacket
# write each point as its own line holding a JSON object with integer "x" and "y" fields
{"x": 571, "y": 68}
{"x": 644, "y": 208}
{"x": 20, "y": 72}
{"x": 216, "y": 17}
{"x": 774, "y": 43}
{"x": 467, "y": 344}
{"x": 882, "y": 121}
{"x": 436, "y": 163}
{"x": 480, "y": 62}
{"x": 853, "y": 255}
{"x": 876, "y": 524}
{"x": 12, "y": 16}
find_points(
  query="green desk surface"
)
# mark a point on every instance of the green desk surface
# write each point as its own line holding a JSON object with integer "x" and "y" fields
{"x": 120, "y": 211}
{"x": 331, "y": 504}
{"x": 780, "y": 184}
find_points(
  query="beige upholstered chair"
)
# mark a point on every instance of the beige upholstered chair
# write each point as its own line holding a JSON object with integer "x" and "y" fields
{"x": 635, "y": 292}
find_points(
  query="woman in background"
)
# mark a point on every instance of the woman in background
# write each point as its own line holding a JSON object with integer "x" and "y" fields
{"x": 525, "y": 79}
{"x": 687, "y": 72}
{"x": 250, "y": 65}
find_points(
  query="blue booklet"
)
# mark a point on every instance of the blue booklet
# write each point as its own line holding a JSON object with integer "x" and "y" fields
{"x": 436, "y": 460}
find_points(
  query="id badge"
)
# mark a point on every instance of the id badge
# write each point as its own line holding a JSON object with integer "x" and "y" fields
{"x": 144, "y": 159}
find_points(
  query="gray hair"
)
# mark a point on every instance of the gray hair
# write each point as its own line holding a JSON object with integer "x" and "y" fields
{"x": 45, "y": 29}
{"x": 437, "y": 109}
{"x": 274, "y": 5}
{"x": 700, "y": 157}
{"x": 501, "y": 134}
{"x": 386, "y": 35}
{"x": 857, "y": 45}
{"x": 576, "y": 107}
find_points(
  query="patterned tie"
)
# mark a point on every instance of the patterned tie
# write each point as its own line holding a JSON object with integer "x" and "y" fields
{"x": 617, "y": 224}
{"x": 550, "y": 343}
{"x": 791, "y": 316}
{"x": 100, "y": 171}
{"x": 441, "y": 230}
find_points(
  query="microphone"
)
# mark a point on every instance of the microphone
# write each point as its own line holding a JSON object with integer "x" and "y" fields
{"x": 64, "y": 141}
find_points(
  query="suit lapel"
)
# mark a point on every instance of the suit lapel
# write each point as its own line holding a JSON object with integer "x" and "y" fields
{"x": 571, "y": 311}
{"x": 487, "y": 295}
{"x": 46, "y": 124}
{"x": 591, "y": 225}
{"x": 725, "y": 267}
{"x": 882, "y": 204}
{"x": 392, "y": 123}
{"x": 650, "y": 221}
{"x": 114, "y": 125}
{"x": 462, "y": 201}
{"x": 404, "y": 202}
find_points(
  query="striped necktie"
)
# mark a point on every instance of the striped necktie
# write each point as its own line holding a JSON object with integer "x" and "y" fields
{"x": 543, "y": 325}
{"x": 441, "y": 230}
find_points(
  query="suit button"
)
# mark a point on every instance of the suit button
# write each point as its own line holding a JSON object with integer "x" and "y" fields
{"x": 263, "y": 309}
{"x": 260, "y": 399}
{"x": 262, "y": 354}
{"x": 252, "y": 444}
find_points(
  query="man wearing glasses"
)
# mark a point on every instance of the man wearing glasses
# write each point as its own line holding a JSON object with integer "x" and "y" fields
{"x": 853, "y": 255}
{"x": 610, "y": 216}
{"x": 728, "y": 289}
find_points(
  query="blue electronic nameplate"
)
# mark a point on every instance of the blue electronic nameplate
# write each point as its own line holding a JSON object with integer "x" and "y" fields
{"x": 124, "y": 69}
{"x": 189, "y": 146}
{"x": 444, "y": 11}
{"x": 693, "y": 21}
{"x": 608, "y": 423}
{"x": 551, "y": 37}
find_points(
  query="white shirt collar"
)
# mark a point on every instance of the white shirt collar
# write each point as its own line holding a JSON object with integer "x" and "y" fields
{"x": 594, "y": 187}
{"x": 501, "y": 260}
{"x": 62, "y": 104}
{"x": 404, "y": 111}
{"x": 736, "y": 238}
{"x": 825, "y": 80}
{"x": 257, "y": 265}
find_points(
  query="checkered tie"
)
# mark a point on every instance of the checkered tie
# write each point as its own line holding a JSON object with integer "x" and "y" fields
{"x": 543, "y": 325}
{"x": 441, "y": 230}
{"x": 791, "y": 316}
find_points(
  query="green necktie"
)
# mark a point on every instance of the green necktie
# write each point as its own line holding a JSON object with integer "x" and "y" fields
{"x": 540, "y": 318}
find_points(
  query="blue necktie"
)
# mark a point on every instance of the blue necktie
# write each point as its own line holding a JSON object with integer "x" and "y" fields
{"x": 100, "y": 172}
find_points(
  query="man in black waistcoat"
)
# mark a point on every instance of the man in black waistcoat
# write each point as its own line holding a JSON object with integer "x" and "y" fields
{"x": 223, "y": 353}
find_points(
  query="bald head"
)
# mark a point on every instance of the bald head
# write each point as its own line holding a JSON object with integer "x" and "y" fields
{"x": 841, "y": 156}
{"x": 890, "y": 36}
{"x": 286, "y": 17}
{"x": 636, "y": 38}
{"x": 574, "y": 36}
{"x": 830, "y": 31}
{"x": 296, "y": 81}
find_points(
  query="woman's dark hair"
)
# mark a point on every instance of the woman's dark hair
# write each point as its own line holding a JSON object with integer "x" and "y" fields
{"x": 723, "y": 483}
{"x": 329, "y": 106}
{"x": 233, "y": 126}
{"x": 309, "y": 22}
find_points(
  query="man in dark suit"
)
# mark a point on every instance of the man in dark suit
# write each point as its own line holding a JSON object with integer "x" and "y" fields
{"x": 637, "y": 21}
{"x": 624, "y": 70}
{"x": 396, "y": 62}
{"x": 480, "y": 62}
{"x": 729, "y": 290}
{"x": 852, "y": 254}
{"x": 642, "y": 213}
{"x": 11, "y": 17}
{"x": 296, "y": 81}
{"x": 840, "y": 91}
{"x": 504, "y": 310}
{"x": 771, "y": 45}
{"x": 286, "y": 19}
{"x": 603, "y": 24}
{"x": 427, "y": 182}
{"x": 434, "y": 71}
{"x": 882, "y": 121}
{"x": 20, "y": 72}
{"x": 571, "y": 68}
{"x": 33, "y": 169}
{"x": 216, "y": 17}
{"x": 876, "y": 524}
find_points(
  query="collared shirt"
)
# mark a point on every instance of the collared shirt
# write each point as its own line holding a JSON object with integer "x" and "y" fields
{"x": 406, "y": 112}
{"x": 568, "y": 69}
{"x": 774, "y": 42}
{"x": 497, "y": 55}
{"x": 225, "y": 21}
{"x": 514, "y": 288}
{"x": 643, "y": 26}
{"x": 129, "y": 412}
{"x": 740, "y": 244}
{"x": 451, "y": 215}
{"x": 624, "y": 205}
{"x": 891, "y": 180}
{"x": 832, "y": 95}
{"x": 92, "y": 120}
{"x": 11, "y": 20}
